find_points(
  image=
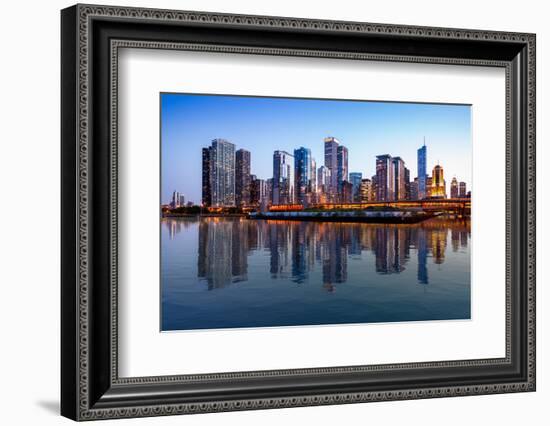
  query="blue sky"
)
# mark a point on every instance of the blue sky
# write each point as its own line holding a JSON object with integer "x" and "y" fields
{"x": 262, "y": 125}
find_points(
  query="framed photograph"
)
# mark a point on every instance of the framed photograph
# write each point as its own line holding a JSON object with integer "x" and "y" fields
{"x": 263, "y": 212}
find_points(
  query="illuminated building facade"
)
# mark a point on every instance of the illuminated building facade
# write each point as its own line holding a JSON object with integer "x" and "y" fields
{"x": 342, "y": 165}
{"x": 438, "y": 183}
{"x": 462, "y": 189}
{"x": 422, "y": 158}
{"x": 385, "y": 180}
{"x": 242, "y": 177}
{"x": 283, "y": 178}
{"x": 218, "y": 174}
{"x": 399, "y": 178}
{"x": 454, "y": 188}
{"x": 355, "y": 178}
{"x": 206, "y": 175}
{"x": 323, "y": 184}
{"x": 331, "y": 162}
{"x": 302, "y": 174}
{"x": 366, "y": 191}
{"x": 258, "y": 190}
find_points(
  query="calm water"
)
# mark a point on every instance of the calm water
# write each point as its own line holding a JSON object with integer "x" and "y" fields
{"x": 227, "y": 272}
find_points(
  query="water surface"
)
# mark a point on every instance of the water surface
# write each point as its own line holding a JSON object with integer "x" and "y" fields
{"x": 235, "y": 272}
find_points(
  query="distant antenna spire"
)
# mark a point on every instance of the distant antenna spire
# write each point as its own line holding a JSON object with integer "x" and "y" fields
{"x": 424, "y": 140}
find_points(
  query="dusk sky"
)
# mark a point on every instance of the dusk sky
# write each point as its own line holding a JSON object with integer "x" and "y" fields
{"x": 262, "y": 125}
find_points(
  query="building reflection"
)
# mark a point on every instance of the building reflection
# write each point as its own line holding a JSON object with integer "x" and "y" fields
{"x": 222, "y": 252}
{"x": 422, "y": 253}
{"x": 295, "y": 249}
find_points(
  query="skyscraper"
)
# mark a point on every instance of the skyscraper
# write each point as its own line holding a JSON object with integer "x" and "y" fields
{"x": 346, "y": 192}
{"x": 242, "y": 177}
{"x": 222, "y": 173}
{"x": 258, "y": 190}
{"x": 454, "y": 188}
{"x": 414, "y": 189}
{"x": 323, "y": 184}
{"x": 178, "y": 200}
{"x": 385, "y": 180}
{"x": 313, "y": 177}
{"x": 302, "y": 174}
{"x": 355, "y": 178}
{"x": 206, "y": 177}
{"x": 422, "y": 160}
{"x": 331, "y": 162}
{"x": 438, "y": 183}
{"x": 366, "y": 191}
{"x": 462, "y": 189}
{"x": 399, "y": 177}
{"x": 269, "y": 191}
{"x": 283, "y": 178}
{"x": 407, "y": 184}
{"x": 342, "y": 164}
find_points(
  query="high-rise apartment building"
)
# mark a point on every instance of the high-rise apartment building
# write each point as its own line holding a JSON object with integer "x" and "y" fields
{"x": 178, "y": 200}
{"x": 385, "y": 180}
{"x": 220, "y": 166}
{"x": 269, "y": 191}
{"x": 331, "y": 162}
{"x": 302, "y": 174}
{"x": 454, "y": 188}
{"x": 218, "y": 174}
{"x": 323, "y": 184}
{"x": 414, "y": 189}
{"x": 346, "y": 193}
{"x": 438, "y": 183}
{"x": 258, "y": 190}
{"x": 407, "y": 184}
{"x": 399, "y": 178}
{"x": 313, "y": 177}
{"x": 206, "y": 177}
{"x": 283, "y": 178}
{"x": 366, "y": 191}
{"x": 462, "y": 189}
{"x": 342, "y": 166}
{"x": 242, "y": 177}
{"x": 356, "y": 178}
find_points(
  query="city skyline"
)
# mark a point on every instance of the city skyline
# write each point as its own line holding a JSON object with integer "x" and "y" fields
{"x": 186, "y": 118}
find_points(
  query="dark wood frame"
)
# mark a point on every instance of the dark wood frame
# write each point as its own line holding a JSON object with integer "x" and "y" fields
{"x": 90, "y": 386}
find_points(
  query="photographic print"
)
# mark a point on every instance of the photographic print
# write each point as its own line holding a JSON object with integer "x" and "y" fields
{"x": 307, "y": 212}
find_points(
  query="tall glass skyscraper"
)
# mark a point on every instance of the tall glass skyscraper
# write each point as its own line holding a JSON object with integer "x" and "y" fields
{"x": 206, "y": 176}
{"x": 355, "y": 178}
{"x": 331, "y": 162}
{"x": 462, "y": 189}
{"x": 283, "y": 178}
{"x": 242, "y": 177}
{"x": 342, "y": 163}
{"x": 302, "y": 173}
{"x": 454, "y": 188}
{"x": 438, "y": 183}
{"x": 222, "y": 173}
{"x": 323, "y": 184}
{"x": 422, "y": 155}
{"x": 399, "y": 177}
{"x": 385, "y": 181}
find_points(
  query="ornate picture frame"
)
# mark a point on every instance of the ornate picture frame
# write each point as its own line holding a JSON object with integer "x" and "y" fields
{"x": 90, "y": 41}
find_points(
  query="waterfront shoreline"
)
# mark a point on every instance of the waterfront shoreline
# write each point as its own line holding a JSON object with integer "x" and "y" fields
{"x": 382, "y": 217}
{"x": 184, "y": 215}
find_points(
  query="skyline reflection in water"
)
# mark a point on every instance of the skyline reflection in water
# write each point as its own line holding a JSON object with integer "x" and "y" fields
{"x": 234, "y": 272}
